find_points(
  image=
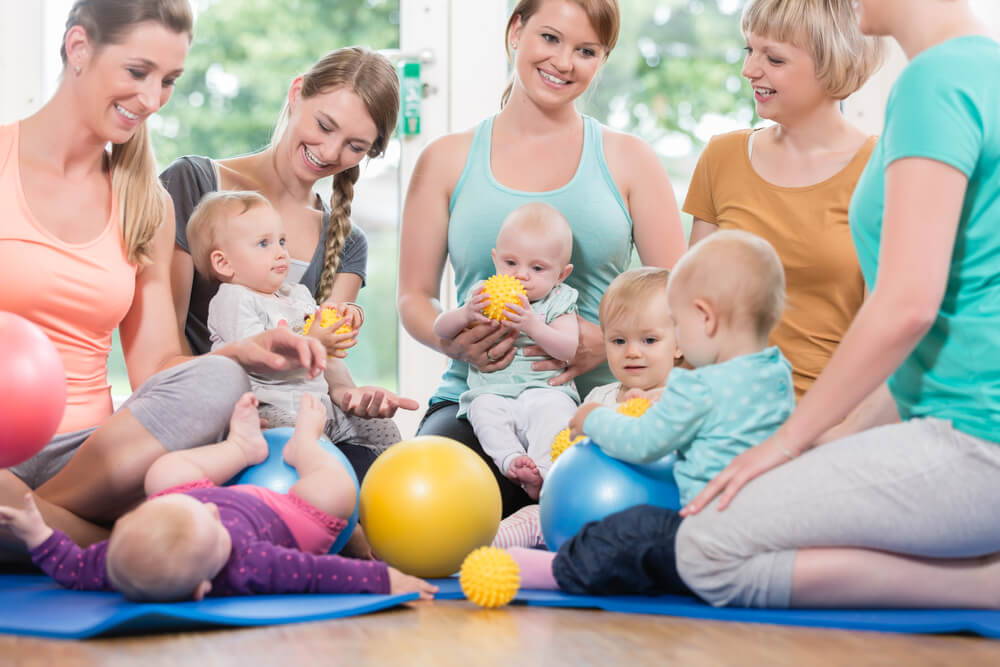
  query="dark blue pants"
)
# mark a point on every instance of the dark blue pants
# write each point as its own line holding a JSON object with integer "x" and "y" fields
{"x": 442, "y": 419}
{"x": 629, "y": 552}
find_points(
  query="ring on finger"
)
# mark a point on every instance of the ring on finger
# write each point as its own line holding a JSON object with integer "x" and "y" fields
{"x": 490, "y": 356}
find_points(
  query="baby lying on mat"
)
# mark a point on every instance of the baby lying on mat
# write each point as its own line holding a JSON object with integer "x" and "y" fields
{"x": 193, "y": 538}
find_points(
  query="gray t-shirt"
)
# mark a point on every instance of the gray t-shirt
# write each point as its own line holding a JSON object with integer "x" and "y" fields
{"x": 190, "y": 178}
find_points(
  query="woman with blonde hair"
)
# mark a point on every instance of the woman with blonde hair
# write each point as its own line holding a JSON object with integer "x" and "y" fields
{"x": 610, "y": 186}
{"x": 339, "y": 112}
{"x": 96, "y": 257}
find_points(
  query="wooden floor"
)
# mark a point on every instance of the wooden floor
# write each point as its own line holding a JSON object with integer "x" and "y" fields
{"x": 457, "y": 633}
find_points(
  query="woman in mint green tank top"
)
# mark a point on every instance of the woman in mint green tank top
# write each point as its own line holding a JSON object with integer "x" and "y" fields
{"x": 610, "y": 186}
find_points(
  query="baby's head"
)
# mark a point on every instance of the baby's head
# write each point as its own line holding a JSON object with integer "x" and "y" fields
{"x": 638, "y": 331}
{"x": 534, "y": 245}
{"x": 168, "y": 548}
{"x": 236, "y": 237}
{"x": 725, "y": 296}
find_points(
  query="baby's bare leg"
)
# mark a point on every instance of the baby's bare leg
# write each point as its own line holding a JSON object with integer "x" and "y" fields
{"x": 245, "y": 446}
{"x": 324, "y": 481}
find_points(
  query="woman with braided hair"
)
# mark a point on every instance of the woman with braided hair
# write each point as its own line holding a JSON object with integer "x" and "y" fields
{"x": 343, "y": 109}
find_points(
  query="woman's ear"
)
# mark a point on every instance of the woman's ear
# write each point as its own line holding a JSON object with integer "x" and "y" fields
{"x": 78, "y": 51}
{"x": 294, "y": 93}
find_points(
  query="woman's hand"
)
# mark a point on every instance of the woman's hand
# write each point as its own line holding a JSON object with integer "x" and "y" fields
{"x": 590, "y": 354}
{"x": 750, "y": 464}
{"x": 370, "y": 402}
{"x": 485, "y": 345}
{"x": 275, "y": 350}
{"x": 27, "y": 524}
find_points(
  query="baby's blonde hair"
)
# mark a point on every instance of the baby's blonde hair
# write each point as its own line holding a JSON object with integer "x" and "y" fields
{"x": 212, "y": 211}
{"x": 828, "y": 30}
{"x": 630, "y": 292}
{"x": 541, "y": 220}
{"x": 739, "y": 274}
{"x": 150, "y": 552}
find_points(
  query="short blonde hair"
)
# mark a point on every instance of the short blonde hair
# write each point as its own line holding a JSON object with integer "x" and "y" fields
{"x": 149, "y": 552}
{"x": 203, "y": 225}
{"x": 541, "y": 220}
{"x": 630, "y": 292}
{"x": 828, "y": 29}
{"x": 739, "y": 274}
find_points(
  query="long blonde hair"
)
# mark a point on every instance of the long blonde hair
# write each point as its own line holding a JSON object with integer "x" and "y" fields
{"x": 373, "y": 79}
{"x": 604, "y": 18}
{"x": 142, "y": 205}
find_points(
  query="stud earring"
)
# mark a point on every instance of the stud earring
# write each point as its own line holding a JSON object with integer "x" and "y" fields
{"x": 76, "y": 70}
{"x": 513, "y": 45}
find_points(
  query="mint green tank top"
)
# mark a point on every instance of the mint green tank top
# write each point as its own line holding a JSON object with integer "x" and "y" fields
{"x": 602, "y": 233}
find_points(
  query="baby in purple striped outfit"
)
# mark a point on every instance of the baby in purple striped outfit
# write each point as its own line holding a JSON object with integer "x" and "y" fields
{"x": 192, "y": 538}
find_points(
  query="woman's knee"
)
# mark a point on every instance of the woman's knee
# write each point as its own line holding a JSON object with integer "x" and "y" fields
{"x": 705, "y": 563}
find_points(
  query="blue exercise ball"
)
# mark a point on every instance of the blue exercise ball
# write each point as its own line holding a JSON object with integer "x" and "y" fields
{"x": 278, "y": 476}
{"x": 585, "y": 484}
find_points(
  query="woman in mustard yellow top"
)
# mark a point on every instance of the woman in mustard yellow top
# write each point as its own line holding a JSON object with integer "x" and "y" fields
{"x": 791, "y": 182}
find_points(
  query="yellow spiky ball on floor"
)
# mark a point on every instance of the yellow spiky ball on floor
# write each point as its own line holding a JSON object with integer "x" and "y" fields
{"x": 502, "y": 290}
{"x": 489, "y": 577}
{"x": 562, "y": 442}
{"x": 326, "y": 318}
{"x": 634, "y": 407}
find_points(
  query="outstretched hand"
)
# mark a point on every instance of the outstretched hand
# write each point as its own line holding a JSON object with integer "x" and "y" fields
{"x": 370, "y": 402}
{"x": 27, "y": 524}
{"x": 750, "y": 464}
{"x": 404, "y": 583}
{"x": 275, "y": 350}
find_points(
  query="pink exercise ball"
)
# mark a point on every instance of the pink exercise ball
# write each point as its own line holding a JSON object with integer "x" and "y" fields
{"x": 34, "y": 382}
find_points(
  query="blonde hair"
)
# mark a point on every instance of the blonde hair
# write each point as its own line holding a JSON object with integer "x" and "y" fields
{"x": 142, "y": 204}
{"x": 372, "y": 78}
{"x": 630, "y": 292}
{"x": 844, "y": 57}
{"x": 203, "y": 226}
{"x": 150, "y": 551}
{"x": 604, "y": 17}
{"x": 541, "y": 221}
{"x": 739, "y": 274}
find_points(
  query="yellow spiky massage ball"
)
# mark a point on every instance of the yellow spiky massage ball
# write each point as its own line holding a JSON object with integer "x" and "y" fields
{"x": 562, "y": 443}
{"x": 489, "y": 577}
{"x": 502, "y": 290}
{"x": 326, "y": 318}
{"x": 634, "y": 407}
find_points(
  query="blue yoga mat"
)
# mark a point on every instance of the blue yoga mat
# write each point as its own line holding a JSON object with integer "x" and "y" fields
{"x": 909, "y": 621}
{"x": 34, "y": 605}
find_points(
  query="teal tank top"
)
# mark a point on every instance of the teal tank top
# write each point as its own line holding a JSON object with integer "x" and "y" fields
{"x": 602, "y": 234}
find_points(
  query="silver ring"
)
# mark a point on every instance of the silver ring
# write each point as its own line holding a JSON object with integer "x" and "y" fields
{"x": 490, "y": 356}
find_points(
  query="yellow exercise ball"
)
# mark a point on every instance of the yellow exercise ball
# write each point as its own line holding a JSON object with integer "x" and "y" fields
{"x": 426, "y": 503}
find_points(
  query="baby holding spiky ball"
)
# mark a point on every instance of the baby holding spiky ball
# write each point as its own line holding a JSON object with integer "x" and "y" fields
{"x": 513, "y": 410}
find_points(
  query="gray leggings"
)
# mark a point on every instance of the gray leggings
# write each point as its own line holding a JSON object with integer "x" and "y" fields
{"x": 183, "y": 406}
{"x": 919, "y": 488}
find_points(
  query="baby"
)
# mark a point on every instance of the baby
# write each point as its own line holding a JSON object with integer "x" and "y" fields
{"x": 725, "y": 295}
{"x": 639, "y": 342}
{"x": 238, "y": 239}
{"x": 514, "y": 412}
{"x": 193, "y": 538}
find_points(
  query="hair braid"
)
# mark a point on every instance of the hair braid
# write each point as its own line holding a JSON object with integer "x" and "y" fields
{"x": 340, "y": 226}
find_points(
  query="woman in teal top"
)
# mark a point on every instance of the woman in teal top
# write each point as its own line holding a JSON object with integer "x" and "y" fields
{"x": 902, "y": 515}
{"x": 610, "y": 186}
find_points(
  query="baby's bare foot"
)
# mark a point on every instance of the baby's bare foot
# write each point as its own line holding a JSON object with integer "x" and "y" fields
{"x": 525, "y": 471}
{"x": 309, "y": 424}
{"x": 244, "y": 430}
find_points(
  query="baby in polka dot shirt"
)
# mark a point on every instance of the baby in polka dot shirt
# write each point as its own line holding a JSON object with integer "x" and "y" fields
{"x": 725, "y": 296}
{"x": 193, "y": 538}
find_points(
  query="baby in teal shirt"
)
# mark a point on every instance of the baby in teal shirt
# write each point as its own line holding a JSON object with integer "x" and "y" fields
{"x": 725, "y": 296}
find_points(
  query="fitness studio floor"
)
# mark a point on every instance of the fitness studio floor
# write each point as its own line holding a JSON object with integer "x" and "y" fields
{"x": 457, "y": 633}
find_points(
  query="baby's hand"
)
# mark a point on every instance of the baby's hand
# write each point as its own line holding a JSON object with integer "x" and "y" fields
{"x": 336, "y": 344}
{"x": 521, "y": 317}
{"x": 576, "y": 423}
{"x": 352, "y": 315}
{"x": 404, "y": 583}
{"x": 27, "y": 524}
{"x": 473, "y": 308}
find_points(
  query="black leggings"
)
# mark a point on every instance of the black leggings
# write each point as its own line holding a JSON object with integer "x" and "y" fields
{"x": 360, "y": 458}
{"x": 441, "y": 419}
{"x": 629, "y": 552}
